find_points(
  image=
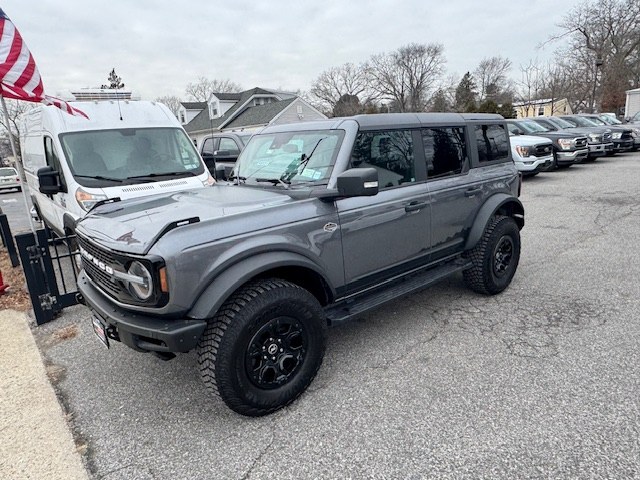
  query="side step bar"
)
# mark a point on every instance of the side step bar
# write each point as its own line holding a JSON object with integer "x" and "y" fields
{"x": 353, "y": 307}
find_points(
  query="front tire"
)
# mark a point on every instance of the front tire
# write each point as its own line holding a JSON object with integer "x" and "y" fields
{"x": 495, "y": 258}
{"x": 264, "y": 347}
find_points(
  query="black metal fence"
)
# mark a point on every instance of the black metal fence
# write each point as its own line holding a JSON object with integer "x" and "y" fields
{"x": 49, "y": 268}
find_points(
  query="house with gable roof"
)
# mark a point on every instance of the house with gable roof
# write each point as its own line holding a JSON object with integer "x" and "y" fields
{"x": 249, "y": 111}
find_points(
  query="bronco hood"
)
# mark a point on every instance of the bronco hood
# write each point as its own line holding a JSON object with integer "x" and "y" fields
{"x": 134, "y": 225}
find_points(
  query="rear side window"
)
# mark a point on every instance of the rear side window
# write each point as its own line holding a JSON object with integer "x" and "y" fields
{"x": 445, "y": 151}
{"x": 390, "y": 152}
{"x": 230, "y": 145}
{"x": 493, "y": 143}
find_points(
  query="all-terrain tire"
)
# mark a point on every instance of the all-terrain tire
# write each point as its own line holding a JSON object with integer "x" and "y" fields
{"x": 495, "y": 258}
{"x": 264, "y": 346}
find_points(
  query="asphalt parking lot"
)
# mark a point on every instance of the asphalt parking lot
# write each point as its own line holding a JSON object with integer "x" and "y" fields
{"x": 542, "y": 381}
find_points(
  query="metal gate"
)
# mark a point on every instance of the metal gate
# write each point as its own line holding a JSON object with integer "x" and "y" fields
{"x": 48, "y": 262}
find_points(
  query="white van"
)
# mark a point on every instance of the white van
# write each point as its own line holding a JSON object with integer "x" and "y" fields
{"x": 126, "y": 149}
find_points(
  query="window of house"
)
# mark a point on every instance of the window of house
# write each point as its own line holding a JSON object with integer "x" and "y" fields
{"x": 493, "y": 143}
{"x": 445, "y": 151}
{"x": 182, "y": 118}
{"x": 541, "y": 110}
{"x": 389, "y": 152}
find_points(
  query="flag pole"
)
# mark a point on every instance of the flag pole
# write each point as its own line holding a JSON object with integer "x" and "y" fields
{"x": 18, "y": 164}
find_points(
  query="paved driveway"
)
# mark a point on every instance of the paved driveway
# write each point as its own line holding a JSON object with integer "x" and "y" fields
{"x": 542, "y": 381}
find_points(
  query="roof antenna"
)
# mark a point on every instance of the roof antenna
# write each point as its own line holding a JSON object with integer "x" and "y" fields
{"x": 118, "y": 100}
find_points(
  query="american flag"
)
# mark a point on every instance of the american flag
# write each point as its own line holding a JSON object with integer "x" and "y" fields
{"x": 19, "y": 76}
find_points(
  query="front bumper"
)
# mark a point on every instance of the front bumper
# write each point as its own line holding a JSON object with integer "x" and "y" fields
{"x": 599, "y": 149}
{"x": 531, "y": 165}
{"x": 144, "y": 333}
{"x": 567, "y": 158}
{"x": 622, "y": 145}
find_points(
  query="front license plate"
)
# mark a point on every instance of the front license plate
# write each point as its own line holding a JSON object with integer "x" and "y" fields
{"x": 100, "y": 330}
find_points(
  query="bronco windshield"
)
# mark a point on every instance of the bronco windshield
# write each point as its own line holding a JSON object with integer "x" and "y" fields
{"x": 289, "y": 158}
{"x": 103, "y": 158}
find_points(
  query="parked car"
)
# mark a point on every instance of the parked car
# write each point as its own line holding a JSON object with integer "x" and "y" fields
{"x": 568, "y": 148}
{"x": 614, "y": 122}
{"x": 9, "y": 179}
{"x": 322, "y": 222}
{"x": 221, "y": 150}
{"x": 622, "y": 138}
{"x": 599, "y": 139}
{"x": 125, "y": 150}
{"x": 531, "y": 154}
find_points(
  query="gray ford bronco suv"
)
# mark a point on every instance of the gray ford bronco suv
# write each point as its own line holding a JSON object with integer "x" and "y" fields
{"x": 319, "y": 223}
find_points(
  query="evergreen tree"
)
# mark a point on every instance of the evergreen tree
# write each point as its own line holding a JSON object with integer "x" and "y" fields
{"x": 466, "y": 94}
{"x": 115, "y": 82}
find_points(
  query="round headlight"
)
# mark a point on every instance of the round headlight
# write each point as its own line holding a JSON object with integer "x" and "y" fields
{"x": 142, "y": 287}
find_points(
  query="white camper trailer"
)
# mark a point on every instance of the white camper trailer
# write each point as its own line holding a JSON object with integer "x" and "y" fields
{"x": 126, "y": 149}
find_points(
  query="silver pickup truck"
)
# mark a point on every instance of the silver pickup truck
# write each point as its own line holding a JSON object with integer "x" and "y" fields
{"x": 318, "y": 223}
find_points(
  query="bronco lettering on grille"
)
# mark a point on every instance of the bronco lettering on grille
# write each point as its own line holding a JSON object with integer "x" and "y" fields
{"x": 101, "y": 265}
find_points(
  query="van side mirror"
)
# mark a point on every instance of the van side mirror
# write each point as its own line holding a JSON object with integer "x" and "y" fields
{"x": 49, "y": 180}
{"x": 517, "y": 131}
{"x": 358, "y": 182}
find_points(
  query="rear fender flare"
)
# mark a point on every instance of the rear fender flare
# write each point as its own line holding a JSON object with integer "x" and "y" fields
{"x": 498, "y": 202}
{"x": 232, "y": 278}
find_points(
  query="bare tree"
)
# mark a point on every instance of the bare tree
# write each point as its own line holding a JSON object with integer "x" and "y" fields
{"x": 408, "y": 76}
{"x": 605, "y": 34}
{"x": 15, "y": 108}
{"x": 172, "y": 102}
{"x": 491, "y": 75}
{"x": 530, "y": 85}
{"x": 201, "y": 90}
{"x": 333, "y": 84}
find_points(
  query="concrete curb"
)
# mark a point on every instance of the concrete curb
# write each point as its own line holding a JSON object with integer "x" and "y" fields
{"x": 35, "y": 440}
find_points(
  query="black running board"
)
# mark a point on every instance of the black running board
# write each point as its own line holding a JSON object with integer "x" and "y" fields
{"x": 355, "y": 306}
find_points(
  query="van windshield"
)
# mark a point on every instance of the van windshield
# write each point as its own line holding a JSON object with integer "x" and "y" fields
{"x": 102, "y": 158}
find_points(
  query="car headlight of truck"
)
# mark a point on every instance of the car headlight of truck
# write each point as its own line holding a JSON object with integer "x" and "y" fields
{"x": 87, "y": 200}
{"x": 594, "y": 138}
{"x": 565, "y": 143}
{"x": 617, "y": 135}
{"x": 523, "y": 151}
{"x": 139, "y": 281}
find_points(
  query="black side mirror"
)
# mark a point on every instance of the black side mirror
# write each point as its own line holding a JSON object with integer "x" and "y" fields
{"x": 49, "y": 181}
{"x": 358, "y": 182}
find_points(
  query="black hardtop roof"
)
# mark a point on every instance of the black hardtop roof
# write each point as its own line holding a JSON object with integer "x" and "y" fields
{"x": 379, "y": 121}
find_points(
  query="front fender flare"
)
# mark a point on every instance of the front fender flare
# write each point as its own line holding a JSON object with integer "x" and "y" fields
{"x": 232, "y": 278}
{"x": 500, "y": 201}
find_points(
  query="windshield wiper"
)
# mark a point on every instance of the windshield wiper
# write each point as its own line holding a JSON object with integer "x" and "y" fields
{"x": 100, "y": 177}
{"x": 304, "y": 160}
{"x": 275, "y": 181}
{"x": 168, "y": 174}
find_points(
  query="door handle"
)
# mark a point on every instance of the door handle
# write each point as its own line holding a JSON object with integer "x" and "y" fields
{"x": 415, "y": 206}
{"x": 472, "y": 191}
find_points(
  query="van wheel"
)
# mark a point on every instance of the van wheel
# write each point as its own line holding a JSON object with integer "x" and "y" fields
{"x": 264, "y": 346}
{"x": 495, "y": 258}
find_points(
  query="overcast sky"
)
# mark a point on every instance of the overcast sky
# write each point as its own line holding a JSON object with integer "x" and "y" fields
{"x": 158, "y": 46}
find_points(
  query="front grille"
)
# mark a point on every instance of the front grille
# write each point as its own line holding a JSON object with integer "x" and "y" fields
{"x": 542, "y": 150}
{"x": 581, "y": 142}
{"x": 97, "y": 274}
{"x": 627, "y": 136}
